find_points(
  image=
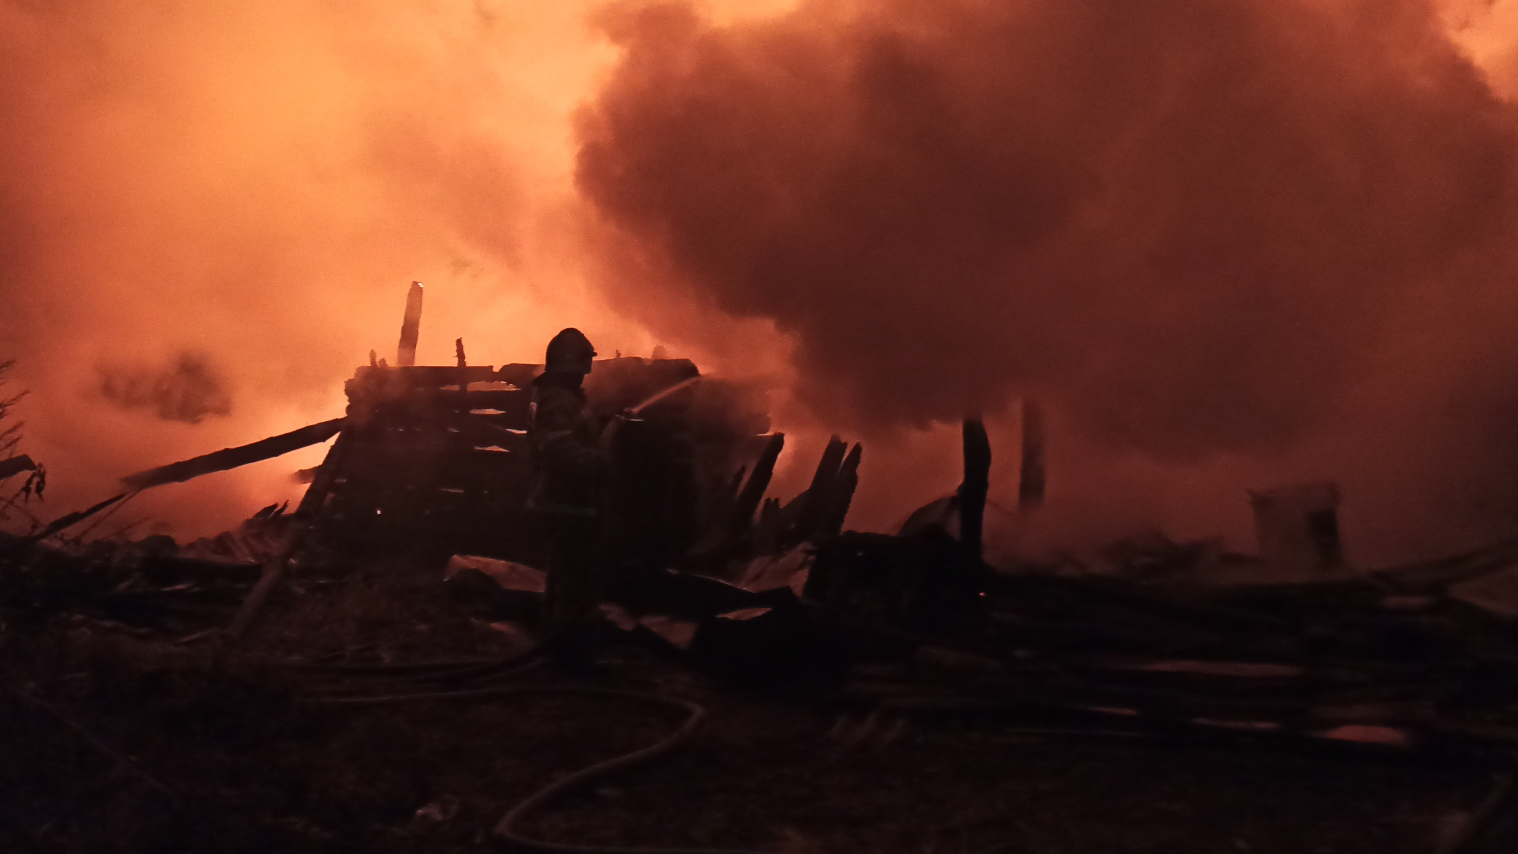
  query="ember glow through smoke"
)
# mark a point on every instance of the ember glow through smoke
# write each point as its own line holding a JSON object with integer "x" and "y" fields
{"x": 1229, "y": 243}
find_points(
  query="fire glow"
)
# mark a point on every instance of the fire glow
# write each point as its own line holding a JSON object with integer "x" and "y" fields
{"x": 1228, "y": 244}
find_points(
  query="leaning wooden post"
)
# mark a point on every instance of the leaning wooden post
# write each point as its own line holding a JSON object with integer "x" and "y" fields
{"x": 977, "y": 483}
{"x": 304, "y": 519}
{"x": 818, "y": 498}
{"x": 752, "y": 494}
{"x": 411, "y": 324}
{"x": 843, "y": 492}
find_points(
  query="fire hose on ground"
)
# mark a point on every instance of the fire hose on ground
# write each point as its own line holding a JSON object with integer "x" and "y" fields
{"x": 507, "y": 831}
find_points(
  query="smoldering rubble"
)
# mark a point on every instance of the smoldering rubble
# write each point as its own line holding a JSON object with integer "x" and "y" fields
{"x": 412, "y": 572}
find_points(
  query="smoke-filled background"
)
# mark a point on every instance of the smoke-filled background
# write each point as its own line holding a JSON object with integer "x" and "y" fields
{"x": 1229, "y": 243}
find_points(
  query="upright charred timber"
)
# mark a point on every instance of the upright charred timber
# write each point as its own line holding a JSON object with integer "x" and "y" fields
{"x": 844, "y": 487}
{"x": 766, "y": 537}
{"x": 977, "y": 483}
{"x": 817, "y": 502}
{"x": 411, "y": 324}
{"x": 753, "y": 491}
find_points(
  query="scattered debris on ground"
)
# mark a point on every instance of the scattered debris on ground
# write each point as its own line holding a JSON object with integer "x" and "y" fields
{"x": 371, "y": 668}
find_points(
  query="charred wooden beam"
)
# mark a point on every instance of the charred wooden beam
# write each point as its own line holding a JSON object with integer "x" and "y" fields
{"x": 754, "y": 489}
{"x": 819, "y": 496}
{"x": 843, "y": 492}
{"x": 230, "y": 458}
{"x": 61, "y": 523}
{"x": 419, "y": 376}
{"x": 458, "y": 352}
{"x": 977, "y": 482}
{"x": 411, "y": 325}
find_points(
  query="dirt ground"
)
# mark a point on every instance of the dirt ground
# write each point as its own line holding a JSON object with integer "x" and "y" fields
{"x": 112, "y": 742}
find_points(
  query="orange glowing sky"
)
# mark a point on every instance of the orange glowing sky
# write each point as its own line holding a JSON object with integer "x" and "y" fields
{"x": 259, "y": 183}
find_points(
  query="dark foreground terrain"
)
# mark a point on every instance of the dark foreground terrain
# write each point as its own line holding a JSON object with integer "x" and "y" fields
{"x": 117, "y": 740}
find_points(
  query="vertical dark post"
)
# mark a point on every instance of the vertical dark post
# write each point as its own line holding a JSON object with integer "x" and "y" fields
{"x": 1030, "y": 481}
{"x": 843, "y": 492}
{"x": 819, "y": 496}
{"x": 977, "y": 482}
{"x": 458, "y": 350}
{"x": 411, "y": 325}
{"x": 753, "y": 491}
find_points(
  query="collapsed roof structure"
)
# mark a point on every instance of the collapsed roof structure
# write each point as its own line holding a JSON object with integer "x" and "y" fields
{"x": 439, "y": 455}
{"x": 434, "y": 462}
{"x": 438, "y": 458}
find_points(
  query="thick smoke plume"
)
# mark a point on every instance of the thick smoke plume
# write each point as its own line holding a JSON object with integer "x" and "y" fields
{"x": 189, "y": 389}
{"x": 1208, "y": 231}
{"x": 1230, "y": 243}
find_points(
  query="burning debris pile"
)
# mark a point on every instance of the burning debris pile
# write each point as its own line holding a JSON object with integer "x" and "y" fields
{"x": 436, "y": 461}
{"x": 433, "y": 465}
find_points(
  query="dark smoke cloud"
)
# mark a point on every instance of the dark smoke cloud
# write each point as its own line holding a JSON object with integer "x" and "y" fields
{"x": 1198, "y": 227}
{"x": 1185, "y": 215}
{"x": 189, "y": 389}
{"x": 1189, "y": 226}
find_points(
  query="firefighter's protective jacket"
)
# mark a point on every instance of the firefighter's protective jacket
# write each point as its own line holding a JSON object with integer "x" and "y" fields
{"x": 565, "y": 439}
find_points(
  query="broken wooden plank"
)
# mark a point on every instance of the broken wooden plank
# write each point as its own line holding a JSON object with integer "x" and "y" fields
{"x": 230, "y": 458}
{"x": 420, "y": 376}
{"x": 754, "y": 489}
{"x": 844, "y": 487}
{"x": 819, "y": 496}
{"x": 977, "y": 483}
{"x": 405, "y": 354}
{"x": 62, "y": 523}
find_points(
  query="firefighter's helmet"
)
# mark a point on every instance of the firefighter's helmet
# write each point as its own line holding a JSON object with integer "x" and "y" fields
{"x": 570, "y": 352}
